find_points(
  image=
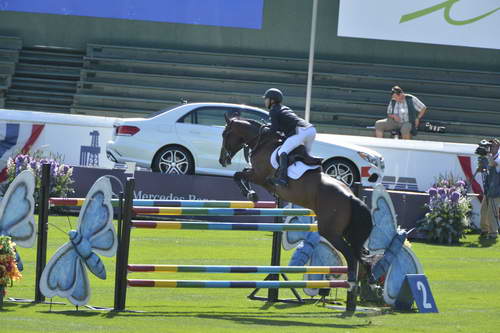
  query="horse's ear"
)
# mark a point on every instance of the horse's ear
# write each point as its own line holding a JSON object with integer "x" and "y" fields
{"x": 230, "y": 115}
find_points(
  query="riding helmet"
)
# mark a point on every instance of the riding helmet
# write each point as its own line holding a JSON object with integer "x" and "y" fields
{"x": 274, "y": 94}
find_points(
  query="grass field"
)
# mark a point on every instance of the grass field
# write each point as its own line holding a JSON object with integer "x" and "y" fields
{"x": 465, "y": 282}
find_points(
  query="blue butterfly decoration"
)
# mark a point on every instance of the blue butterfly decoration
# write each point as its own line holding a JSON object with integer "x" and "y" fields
{"x": 312, "y": 250}
{"x": 65, "y": 274}
{"x": 16, "y": 212}
{"x": 387, "y": 243}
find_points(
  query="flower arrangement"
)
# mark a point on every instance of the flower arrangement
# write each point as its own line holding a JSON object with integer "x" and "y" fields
{"x": 8, "y": 266}
{"x": 61, "y": 181}
{"x": 449, "y": 211}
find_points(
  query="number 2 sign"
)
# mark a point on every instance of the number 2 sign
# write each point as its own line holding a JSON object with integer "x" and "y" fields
{"x": 416, "y": 288}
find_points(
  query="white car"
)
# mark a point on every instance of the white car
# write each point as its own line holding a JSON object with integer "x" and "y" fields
{"x": 187, "y": 139}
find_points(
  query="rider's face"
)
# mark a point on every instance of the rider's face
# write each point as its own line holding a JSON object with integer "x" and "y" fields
{"x": 267, "y": 103}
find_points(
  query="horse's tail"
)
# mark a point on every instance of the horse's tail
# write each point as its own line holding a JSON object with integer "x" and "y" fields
{"x": 360, "y": 227}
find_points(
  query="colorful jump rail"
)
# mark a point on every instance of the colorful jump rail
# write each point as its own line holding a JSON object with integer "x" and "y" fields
{"x": 275, "y": 227}
{"x": 237, "y": 269}
{"x": 174, "y": 211}
{"x": 236, "y": 284}
{"x": 78, "y": 202}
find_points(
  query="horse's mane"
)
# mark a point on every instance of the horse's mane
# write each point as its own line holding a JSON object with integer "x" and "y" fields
{"x": 260, "y": 126}
{"x": 252, "y": 122}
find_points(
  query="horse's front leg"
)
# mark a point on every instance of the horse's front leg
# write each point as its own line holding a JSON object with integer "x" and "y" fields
{"x": 242, "y": 179}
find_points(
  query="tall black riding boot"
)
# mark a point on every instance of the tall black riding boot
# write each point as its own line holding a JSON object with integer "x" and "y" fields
{"x": 282, "y": 172}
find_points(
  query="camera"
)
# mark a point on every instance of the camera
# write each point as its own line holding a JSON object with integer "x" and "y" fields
{"x": 484, "y": 147}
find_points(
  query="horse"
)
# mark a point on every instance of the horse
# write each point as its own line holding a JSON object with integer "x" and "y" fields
{"x": 343, "y": 219}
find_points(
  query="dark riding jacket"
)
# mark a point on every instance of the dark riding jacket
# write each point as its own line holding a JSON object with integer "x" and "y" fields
{"x": 283, "y": 119}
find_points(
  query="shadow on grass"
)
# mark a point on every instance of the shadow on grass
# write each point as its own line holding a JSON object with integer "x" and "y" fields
{"x": 299, "y": 319}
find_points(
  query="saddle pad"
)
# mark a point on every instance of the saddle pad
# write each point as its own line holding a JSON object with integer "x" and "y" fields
{"x": 295, "y": 170}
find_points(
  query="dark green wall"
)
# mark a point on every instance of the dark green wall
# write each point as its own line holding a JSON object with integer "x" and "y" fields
{"x": 285, "y": 32}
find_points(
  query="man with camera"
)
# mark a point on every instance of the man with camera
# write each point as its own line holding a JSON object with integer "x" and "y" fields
{"x": 489, "y": 166}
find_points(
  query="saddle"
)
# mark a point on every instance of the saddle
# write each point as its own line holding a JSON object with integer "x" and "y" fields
{"x": 300, "y": 154}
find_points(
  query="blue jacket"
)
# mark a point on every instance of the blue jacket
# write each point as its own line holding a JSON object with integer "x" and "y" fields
{"x": 283, "y": 119}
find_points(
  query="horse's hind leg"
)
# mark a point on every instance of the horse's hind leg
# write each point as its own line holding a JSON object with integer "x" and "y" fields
{"x": 352, "y": 269}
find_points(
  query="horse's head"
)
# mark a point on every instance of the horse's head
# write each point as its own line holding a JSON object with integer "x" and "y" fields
{"x": 232, "y": 140}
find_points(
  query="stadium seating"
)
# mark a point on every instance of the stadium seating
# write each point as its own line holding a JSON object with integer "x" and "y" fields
{"x": 45, "y": 79}
{"x": 9, "y": 55}
{"x": 347, "y": 96}
{"x": 127, "y": 81}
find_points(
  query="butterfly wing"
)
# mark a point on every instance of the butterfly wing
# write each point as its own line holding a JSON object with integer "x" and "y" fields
{"x": 406, "y": 262}
{"x": 16, "y": 210}
{"x": 65, "y": 276}
{"x": 291, "y": 239}
{"x": 384, "y": 220}
{"x": 324, "y": 255}
{"x": 96, "y": 219}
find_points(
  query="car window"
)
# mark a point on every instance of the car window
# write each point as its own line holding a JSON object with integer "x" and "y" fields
{"x": 157, "y": 113}
{"x": 211, "y": 116}
{"x": 255, "y": 115}
{"x": 189, "y": 118}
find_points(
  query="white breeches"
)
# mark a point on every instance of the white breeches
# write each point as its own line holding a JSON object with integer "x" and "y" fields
{"x": 305, "y": 136}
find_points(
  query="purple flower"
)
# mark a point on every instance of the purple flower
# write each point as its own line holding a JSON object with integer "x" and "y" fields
{"x": 34, "y": 164}
{"x": 44, "y": 161}
{"x": 441, "y": 191}
{"x": 432, "y": 191}
{"x": 461, "y": 183}
{"x": 53, "y": 169}
{"x": 20, "y": 159}
{"x": 64, "y": 168}
{"x": 455, "y": 196}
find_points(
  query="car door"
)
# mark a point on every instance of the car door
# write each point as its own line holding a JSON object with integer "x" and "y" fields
{"x": 202, "y": 128}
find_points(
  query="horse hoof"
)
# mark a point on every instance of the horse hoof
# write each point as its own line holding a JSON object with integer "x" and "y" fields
{"x": 252, "y": 196}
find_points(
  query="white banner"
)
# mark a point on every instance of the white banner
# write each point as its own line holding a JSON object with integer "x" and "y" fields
{"x": 473, "y": 23}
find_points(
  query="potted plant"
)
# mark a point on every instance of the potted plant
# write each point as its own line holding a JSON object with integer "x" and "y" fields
{"x": 449, "y": 213}
{"x": 61, "y": 181}
{"x": 8, "y": 266}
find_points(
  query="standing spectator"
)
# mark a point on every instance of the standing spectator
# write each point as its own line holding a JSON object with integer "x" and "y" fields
{"x": 491, "y": 200}
{"x": 401, "y": 114}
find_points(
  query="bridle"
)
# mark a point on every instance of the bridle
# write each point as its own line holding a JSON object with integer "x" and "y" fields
{"x": 249, "y": 149}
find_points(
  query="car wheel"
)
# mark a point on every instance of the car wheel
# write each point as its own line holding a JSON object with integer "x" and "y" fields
{"x": 343, "y": 170}
{"x": 173, "y": 160}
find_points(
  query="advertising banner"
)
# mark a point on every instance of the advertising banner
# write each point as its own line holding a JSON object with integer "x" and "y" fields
{"x": 447, "y": 22}
{"x": 73, "y": 139}
{"x": 157, "y": 186}
{"x": 228, "y": 13}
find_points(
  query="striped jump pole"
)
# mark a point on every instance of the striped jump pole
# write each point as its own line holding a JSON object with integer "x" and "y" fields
{"x": 180, "y": 211}
{"x": 175, "y": 225}
{"x": 237, "y": 284}
{"x": 237, "y": 269}
{"x": 78, "y": 202}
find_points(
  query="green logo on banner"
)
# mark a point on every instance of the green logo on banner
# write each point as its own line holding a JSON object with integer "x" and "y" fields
{"x": 446, "y": 5}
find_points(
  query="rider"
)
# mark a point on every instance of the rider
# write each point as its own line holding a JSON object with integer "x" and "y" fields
{"x": 297, "y": 131}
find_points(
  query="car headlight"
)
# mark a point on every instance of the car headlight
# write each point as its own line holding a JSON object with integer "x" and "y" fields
{"x": 371, "y": 159}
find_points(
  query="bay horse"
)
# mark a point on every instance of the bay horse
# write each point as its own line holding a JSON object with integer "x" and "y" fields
{"x": 343, "y": 219}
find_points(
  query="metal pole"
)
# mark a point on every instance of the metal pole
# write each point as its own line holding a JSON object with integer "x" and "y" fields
{"x": 273, "y": 294}
{"x": 123, "y": 248}
{"x": 43, "y": 221}
{"x": 311, "y": 60}
{"x": 118, "y": 252}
